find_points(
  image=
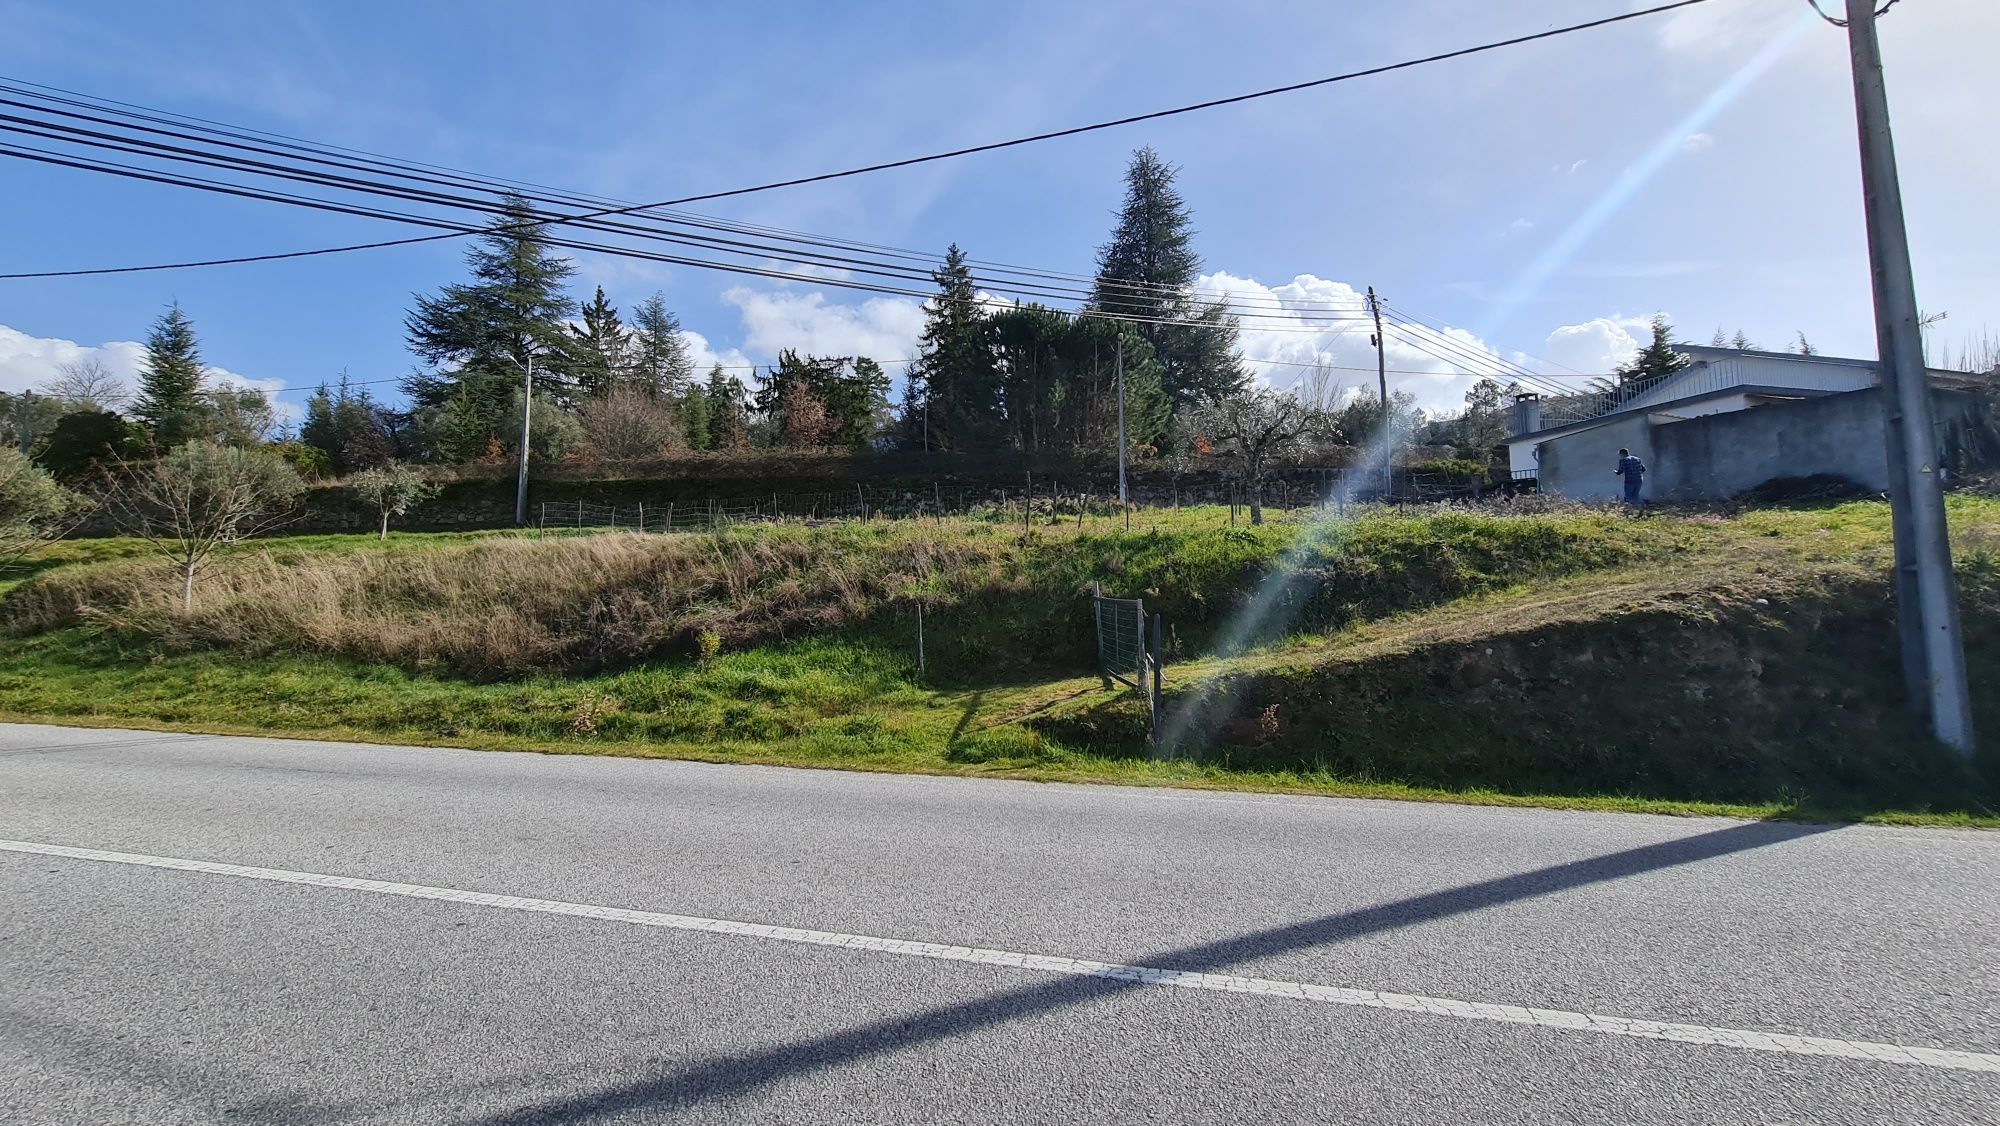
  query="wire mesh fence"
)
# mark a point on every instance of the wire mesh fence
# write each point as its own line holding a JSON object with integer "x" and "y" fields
{"x": 1049, "y": 501}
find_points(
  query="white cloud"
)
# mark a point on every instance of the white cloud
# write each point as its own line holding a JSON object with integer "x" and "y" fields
{"x": 1698, "y": 142}
{"x": 28, "y": 362}
{"x": 1594, "y": 347}
{"x": 1519, "y": 227}
{"x": 882, "y": 328}
{"x": 705, "y": 356}
{"x": 1280, "y": 350}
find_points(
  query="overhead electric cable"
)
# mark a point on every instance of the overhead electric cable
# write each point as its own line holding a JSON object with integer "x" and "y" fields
{"x": 180, "y": 154}
{"x": 912, "y": 161}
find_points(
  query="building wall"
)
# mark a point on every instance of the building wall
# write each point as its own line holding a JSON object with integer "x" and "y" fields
{"x": 1582, "y": 465}
{"x": 1722, "y": 455}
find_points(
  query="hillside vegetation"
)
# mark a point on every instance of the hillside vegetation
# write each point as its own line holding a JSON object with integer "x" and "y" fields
{"x": 1526, "y": 653}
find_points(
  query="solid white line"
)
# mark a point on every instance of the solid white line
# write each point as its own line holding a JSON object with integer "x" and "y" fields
{"x": 1737, "y": 1038}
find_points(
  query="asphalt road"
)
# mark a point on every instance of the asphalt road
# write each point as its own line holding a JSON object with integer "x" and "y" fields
{"x": 601, "y": 975}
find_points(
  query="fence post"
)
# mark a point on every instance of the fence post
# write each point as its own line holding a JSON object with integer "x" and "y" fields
{"x": 670, "y": 518}
{"x": 542, "y": 521}
{"x": 1153, "y": 691}
{"x": 862, "y": 498}
{"x": 1082, "y": 502}
{"x": 920, "y": 639}
{"x": 1097, "y": 623}
{"x": 579, "y": 514}
{"x": 642, "y": 517}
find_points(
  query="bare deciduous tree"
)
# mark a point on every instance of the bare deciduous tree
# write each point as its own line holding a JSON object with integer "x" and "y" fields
{"x": 88, "y": 383}
{"x": 201, "y": 497}
{"x": 629, "y": 423}
{"x": 1256, "y": 427}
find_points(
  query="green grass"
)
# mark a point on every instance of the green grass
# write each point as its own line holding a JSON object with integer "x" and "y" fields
{"x": 1373, "y": 612}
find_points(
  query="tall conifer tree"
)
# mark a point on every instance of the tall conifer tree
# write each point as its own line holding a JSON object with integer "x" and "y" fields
{"x": 479, "y": 335}
{"x": 1147, "y": 271}
{"x": 600, "y": 348}
{"x": 169, "y": 402}
{"x": 660, "y": 361}
{"x": 956, "y": 373}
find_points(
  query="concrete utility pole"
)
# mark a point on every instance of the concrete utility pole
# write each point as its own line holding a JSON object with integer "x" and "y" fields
{"x": 527, "y": 402}
{"x": 1382, "y": 384}
{"x": 1121, "y": 421}
{"x": 1926, "y": 592}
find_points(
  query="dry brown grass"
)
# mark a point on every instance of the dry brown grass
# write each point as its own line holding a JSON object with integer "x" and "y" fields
{"x": 503, "y": 607}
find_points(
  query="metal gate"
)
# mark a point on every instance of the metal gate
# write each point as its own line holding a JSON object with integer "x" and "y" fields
{"x": 1128, "y": 650}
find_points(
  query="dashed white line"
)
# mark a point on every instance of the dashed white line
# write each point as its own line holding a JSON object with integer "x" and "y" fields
{"x": 1736, "y": 1038}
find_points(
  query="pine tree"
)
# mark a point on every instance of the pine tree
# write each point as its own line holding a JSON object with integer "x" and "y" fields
{"x": 695, "y": 418}
{"x": 1741, "y": 340}
{"x": 481, "y": 334}
{"x": 169, "y": 402}
{"x": 956, "y": 375}
{"x": 1656, "y": 361}
{"x": 1147, "y": 271}
{"x": 728, "y": 416}
{"x": 598, "y": 350}
{"x": 349, "y": 427}
{"x": 659, "y": 362}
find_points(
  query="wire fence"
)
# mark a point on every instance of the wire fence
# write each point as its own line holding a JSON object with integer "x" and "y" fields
{"x": 1128, "y": 651}
{"x": 1046, "y": 501}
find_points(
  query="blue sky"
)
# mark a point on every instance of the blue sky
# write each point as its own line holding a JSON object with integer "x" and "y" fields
{"x": 1544, "y": 200}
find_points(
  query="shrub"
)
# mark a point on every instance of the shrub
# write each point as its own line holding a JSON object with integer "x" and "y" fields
{"x": 627, "y": 424}
{"x": 33, "y": 506}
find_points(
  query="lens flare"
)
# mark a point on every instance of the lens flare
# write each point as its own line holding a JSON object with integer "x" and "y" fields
{"x": 1635, "y": 177}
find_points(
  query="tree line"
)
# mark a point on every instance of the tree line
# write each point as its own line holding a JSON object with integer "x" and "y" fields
{"x": 612, "y": 385}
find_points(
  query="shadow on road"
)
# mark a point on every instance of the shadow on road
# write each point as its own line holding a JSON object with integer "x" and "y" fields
{"x": 702, "y": 1081}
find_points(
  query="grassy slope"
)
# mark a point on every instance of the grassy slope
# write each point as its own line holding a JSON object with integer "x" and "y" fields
{"x": 1379, "y": 591}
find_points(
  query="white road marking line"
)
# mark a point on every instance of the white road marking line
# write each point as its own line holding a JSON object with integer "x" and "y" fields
{"x": 1742, "y": 1039}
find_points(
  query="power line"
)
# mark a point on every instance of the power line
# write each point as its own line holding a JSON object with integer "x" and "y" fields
{"x": 112, "y": 168}
{"x": 1462, "y": 355}
{"x": 1440, "y": 325}
{"x": 179, "y": 154}
{"x": 906, "y": 161}
{"x": 203, "y": 131}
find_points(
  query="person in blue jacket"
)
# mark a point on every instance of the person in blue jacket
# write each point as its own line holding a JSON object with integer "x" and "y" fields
{"x": 1633, "y": 470}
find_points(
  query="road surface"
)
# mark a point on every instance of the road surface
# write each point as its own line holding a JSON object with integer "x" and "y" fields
{"x": 208, "y": 929}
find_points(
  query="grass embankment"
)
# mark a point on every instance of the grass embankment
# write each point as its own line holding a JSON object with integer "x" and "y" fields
{"x": 1550, "y": 657}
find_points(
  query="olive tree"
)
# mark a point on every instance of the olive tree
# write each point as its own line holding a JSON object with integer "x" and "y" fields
{"x": 199, "y": 498}
{"x": 392, "y": 490}
{"x": 34, "y": 508}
